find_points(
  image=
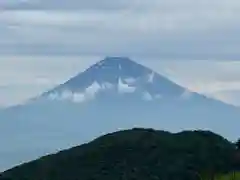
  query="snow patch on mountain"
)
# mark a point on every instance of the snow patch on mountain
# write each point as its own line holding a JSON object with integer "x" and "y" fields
{"x": 130, "y": 80}
{"x": 151, "y": 77}
{"x": 88, "y": 94}
{"x": 107, "y": 85}
{"x": 93, "y": 89}
{"x": 69, "y": 96}
{"x": 125, "y": 88}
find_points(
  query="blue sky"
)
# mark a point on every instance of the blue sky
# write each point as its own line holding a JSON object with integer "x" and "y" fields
{"x": 44, "y": 42}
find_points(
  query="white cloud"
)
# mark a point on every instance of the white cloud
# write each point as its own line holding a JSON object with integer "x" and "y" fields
{"x": 176, "y": 29}
{"x": 205, "y": 76}
{"x": 168, "y": 28}
{"x": 216, "y": 79}
{"x": 230, "y": 97}
{"x": 24, "y": 77}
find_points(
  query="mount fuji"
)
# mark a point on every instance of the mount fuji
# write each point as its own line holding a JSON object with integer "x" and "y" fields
{"x": 113, "y": 94}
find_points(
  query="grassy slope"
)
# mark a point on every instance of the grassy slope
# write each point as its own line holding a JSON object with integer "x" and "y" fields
{"x": 229, "y": 177}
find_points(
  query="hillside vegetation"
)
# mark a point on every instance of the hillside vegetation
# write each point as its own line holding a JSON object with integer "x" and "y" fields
{"x": 229, "y": 176}
{"x": 142, "y": 154}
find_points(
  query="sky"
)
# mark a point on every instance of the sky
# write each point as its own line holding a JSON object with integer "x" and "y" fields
{"x": 194, "y": 43}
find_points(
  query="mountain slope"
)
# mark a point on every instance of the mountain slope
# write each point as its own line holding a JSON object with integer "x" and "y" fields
{"x": 114, "y": 94}
{"x": 135, "y": 154}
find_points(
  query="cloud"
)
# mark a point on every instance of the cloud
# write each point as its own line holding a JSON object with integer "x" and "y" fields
{"x": 183, "y": 29}
{"x": 171, "y": 5}
{"x": 205, "y": 76}
{"x": 65, "y": 5}
{"x": 228, "y": 96}
{"x": 213, "y": 78}
{"x": 173, "y": 29}
{"x": 24, "y": 77}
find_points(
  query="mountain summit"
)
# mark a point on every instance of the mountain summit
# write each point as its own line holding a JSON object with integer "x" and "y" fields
{"x": 115, "y": 76}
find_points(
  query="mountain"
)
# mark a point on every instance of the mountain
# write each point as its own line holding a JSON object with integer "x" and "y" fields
{"x": 135, "y": 154}
{"x": 115, "y": 75}
{"x": 114, "y": 94}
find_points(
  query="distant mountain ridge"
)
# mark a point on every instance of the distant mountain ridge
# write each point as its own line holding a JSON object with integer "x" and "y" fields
{"x": 113, "y": 94}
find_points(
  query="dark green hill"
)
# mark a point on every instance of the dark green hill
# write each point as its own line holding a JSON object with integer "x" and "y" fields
{"x": 142, "y": 154}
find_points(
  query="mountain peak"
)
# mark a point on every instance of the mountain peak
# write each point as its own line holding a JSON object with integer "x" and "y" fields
{"x": 110, "y": 70}
{"x": 117, "y": 59}
{"x": 117, "y": 64}
{"x": 119, "y": 75}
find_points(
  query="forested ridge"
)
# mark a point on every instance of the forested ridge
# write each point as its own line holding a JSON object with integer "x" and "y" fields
{"x": 143, "y": 154}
